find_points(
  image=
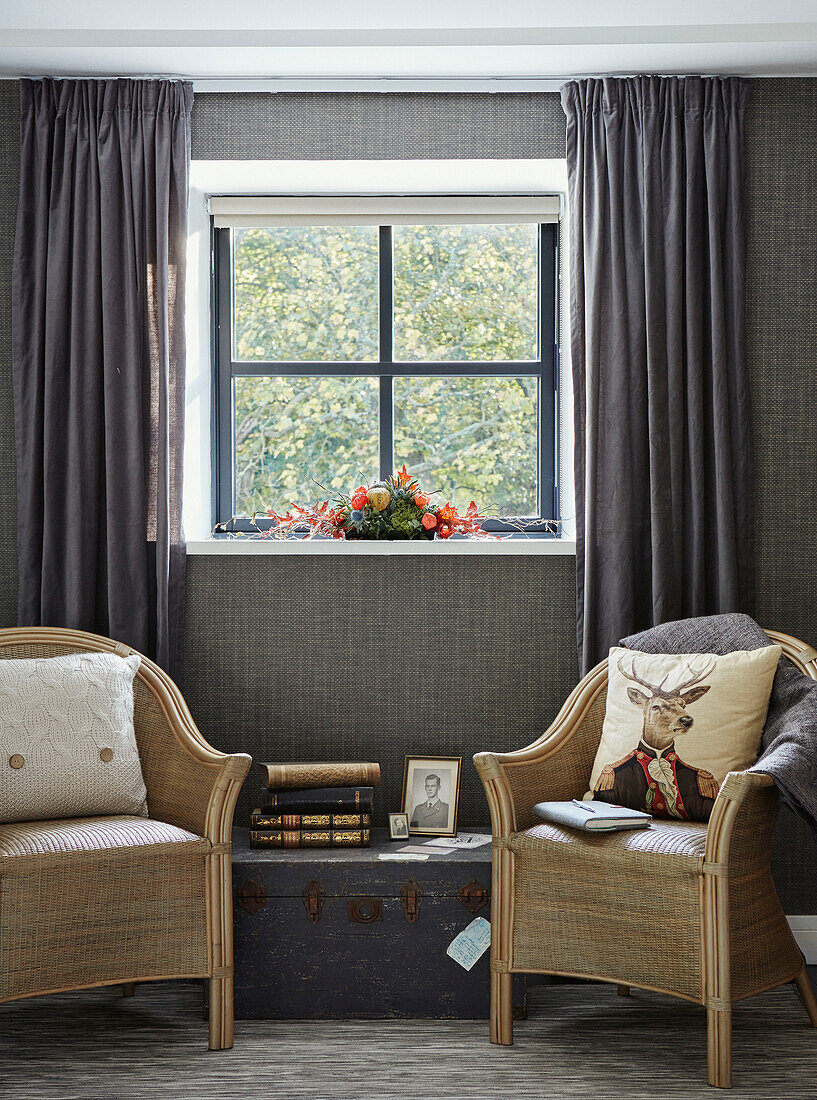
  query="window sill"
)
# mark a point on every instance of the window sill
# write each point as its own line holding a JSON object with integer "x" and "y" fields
{"x": 505, "y": 547}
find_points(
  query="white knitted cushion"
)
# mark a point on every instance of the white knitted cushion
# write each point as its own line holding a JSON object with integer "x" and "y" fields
{"x": 67, "y": 743}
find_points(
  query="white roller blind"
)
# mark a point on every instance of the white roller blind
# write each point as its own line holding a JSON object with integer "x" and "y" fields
{"x": 240, "y": 211}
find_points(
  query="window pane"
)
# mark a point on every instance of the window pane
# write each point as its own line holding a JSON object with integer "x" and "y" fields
{"x": 465, "y": 292}
{"x": 306, "y": 292}
{"x": 291, "y": 430}
{"x": 472, "y": 438}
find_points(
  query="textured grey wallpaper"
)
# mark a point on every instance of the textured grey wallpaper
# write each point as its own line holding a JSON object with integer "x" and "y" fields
{"x": 455, "y": 655}
{"x": 318, "y": 657}
{"x": 781, "y": 283}
{"x": 372, "y": 126}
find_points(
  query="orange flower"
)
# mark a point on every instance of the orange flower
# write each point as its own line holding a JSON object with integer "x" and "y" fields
{"x": 444, "y": 531}
{"x": 447, "y": 513}
{"x": 421, "y": 500}
{"x": 403, "y": 476}
{"x": 359, "y": 497}
{"x": 429, "y": 521}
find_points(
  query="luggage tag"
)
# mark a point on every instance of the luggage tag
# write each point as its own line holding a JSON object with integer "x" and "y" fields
{"x": 471, "y": 944}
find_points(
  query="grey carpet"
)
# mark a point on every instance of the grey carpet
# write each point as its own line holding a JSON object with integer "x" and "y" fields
{"x": 579, "y": 1041}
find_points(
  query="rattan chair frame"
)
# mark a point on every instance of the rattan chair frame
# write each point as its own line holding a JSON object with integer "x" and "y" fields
{"x": 190, "y": 785}
{"x": 736, "y": 860}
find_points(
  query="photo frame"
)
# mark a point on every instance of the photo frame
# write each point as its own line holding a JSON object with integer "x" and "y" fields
{"x": 431, "y": 794}
{"x": 398, "y": 827}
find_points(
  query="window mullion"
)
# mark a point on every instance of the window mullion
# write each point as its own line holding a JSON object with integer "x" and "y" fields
{"x": 549, "y": 357}
{"x": 386, "y": 304}
{"x": 222, "y": 392}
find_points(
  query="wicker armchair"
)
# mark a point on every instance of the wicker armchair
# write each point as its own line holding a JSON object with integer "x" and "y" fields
{"x": 697, "y": 901}
{"x": 118, "y": 900}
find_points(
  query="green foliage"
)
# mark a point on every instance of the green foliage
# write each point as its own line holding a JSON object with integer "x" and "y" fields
{"x": 460, "y": 293}
{"x": 471, "y": 438}
{"x": 405, "y": 519}
{"x": 303, "y": 292}
{"x": 465, "y": 292}
{"x": 297, "y": 437}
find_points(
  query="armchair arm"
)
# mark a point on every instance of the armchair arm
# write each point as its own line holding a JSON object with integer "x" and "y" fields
{"x": 741, "y": 823}
{"x": 515, "y": 781}
{"x": 190, "y": 784}
{"x": 748, "y": 945}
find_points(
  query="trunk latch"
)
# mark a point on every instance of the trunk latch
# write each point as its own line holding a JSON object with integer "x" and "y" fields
{"x": 473, "y": 896}
{"x": 412, "y": 897}
{"x": 251, "y": 896}
{"x": 314, "y": 896}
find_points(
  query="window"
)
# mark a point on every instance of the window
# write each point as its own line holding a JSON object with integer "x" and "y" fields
{"x": 353, "y": 335}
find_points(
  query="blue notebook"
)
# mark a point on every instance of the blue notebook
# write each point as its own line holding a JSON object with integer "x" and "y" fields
{"x": 593, "y": 817}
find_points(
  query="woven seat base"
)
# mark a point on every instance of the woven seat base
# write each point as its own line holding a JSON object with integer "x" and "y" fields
{"x": 97, "y": 901}
{"x": 641, "y": 887}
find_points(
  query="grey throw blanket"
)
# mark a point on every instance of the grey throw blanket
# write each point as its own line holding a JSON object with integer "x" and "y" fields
{"x": 789, "y": 744}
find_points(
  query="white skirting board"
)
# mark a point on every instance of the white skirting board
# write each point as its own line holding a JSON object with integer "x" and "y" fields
{"x": 805, "y": 932}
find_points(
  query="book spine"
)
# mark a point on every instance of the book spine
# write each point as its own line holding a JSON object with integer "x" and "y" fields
{"x": 311, "y": 838}
{"x": 321, "y": 800}
{"x": 308, "y": 776}
{"x": 310, "y": 821}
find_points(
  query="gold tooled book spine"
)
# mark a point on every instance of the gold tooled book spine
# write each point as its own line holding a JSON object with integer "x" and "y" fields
{"x": 317, "y": 838}
{"x": 311, "y": 838}
{"x": 266, "y": 840}
{"x": 357, "y": 838}
{"x": 310, "y": 821}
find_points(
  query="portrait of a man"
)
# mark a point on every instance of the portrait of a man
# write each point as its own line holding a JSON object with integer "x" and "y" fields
{"x": 431, "y": 787}
{"x": 431, "y": 812}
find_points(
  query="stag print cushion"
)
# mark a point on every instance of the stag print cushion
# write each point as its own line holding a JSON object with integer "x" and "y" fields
{"x": 675, "y": 725}
{"x": 67, "y": 743}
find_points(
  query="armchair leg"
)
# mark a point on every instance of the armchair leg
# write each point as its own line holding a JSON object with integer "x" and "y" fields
{"x": 221, "y": 933}
{"x": 502, "y": 1008}
{"x": 806, "y": 992}
{"x": 221, "y": 1013}
{"x": 719, "y": 1047}
{"x": 128, "y": 989}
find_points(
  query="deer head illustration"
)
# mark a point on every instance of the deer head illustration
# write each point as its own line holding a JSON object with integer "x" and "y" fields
{"x": 665, "y": 710}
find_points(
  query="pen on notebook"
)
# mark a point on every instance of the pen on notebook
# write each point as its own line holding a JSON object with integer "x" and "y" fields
{"x": 583, "y": 805}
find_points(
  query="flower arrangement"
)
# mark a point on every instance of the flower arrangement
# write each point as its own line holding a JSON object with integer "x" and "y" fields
{"x": 396, "y": 508}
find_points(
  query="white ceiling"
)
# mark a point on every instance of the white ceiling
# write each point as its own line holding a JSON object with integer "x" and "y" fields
{"x": 516, "y": 43}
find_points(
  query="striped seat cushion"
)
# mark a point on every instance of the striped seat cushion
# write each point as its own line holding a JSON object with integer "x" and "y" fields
{"x": 684, "y": 839}
{"x": 89, "y": 834}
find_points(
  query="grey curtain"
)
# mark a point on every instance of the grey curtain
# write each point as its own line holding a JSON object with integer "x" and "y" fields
{"x": 662, "y": 421}
{"x": 98, "y": 331}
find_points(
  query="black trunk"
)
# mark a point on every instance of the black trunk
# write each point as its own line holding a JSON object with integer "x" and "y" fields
{"x": 335, "y": 933}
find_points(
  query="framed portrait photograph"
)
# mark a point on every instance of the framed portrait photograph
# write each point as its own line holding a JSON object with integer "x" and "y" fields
{"x": 398, "y": 827}
{"x": 431, "y": 794}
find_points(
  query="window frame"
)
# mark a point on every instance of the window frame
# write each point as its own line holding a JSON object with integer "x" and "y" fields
{"x": 545, "y": 369}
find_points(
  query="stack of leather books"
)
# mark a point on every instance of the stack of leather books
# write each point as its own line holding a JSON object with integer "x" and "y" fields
{"x": 315, "y": 806}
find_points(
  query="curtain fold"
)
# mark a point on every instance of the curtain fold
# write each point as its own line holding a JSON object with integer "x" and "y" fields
{"x": 663, "y": 459}
{"x": 98, "y": 334}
